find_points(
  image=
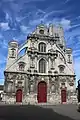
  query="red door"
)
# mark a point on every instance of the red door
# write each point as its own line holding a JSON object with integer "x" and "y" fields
{"x": 63, "y": 96}
{"x": 42, "y": 92}
{"x": 19, "y": 95}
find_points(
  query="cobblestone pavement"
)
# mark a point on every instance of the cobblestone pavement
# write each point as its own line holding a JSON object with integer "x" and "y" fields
{"x": 31, "y": 112}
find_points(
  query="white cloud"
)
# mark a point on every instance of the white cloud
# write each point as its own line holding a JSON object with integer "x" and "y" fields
{"x": 76, "y": 52}
{"x": 66, "y": 1}
{"x": 25, "y": 29}
{"x": 40, "y": 11}
{"x": 36, "y": 21}
{"x": 1, "y": 36}
{"x": 28, "y": 1}
{"x": 54, "y": 12}
{"x": 4, "y": 26}
{"x": 8, "y": 0}
{"x": 5, "y": 44}
{"x": 3, "y": 60}
{"x": 20, "y": 18}
{"x": 65, "y": 23}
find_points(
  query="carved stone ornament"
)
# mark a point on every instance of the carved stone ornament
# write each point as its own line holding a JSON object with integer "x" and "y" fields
{"x": 10, "y": 76}
{"x": 20, "y": 77}
{"x": 62, "y": 78}
{"x": 71, "y": 84}
{"x": 70, "y": 79}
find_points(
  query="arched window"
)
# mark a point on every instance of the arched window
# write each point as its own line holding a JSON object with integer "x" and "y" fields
{"x": 42, "y": 66}
{"x": 21, "y": 66}
{"x": 41, "y": 31}
{"x": 13, "y": 52}
{"x": 42, "y": 47}
{"x": 61, "y": 68}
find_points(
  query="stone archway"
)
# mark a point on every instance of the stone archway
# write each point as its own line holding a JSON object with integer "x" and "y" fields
{"x": 19, "y": 95}
{"x": 42, "y": 92}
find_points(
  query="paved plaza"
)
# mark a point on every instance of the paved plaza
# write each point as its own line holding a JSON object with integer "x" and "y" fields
{"x": 69, "y": 110}
{"x": 31, "y": 112}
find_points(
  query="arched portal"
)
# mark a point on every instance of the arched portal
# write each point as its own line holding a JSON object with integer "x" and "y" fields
{"x": 19, "y": 95}
{"x": 42, "y": 92}
{"x": 63, "y": 95}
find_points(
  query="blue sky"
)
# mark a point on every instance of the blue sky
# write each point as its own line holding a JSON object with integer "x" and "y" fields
{"x": 19, "y": 17}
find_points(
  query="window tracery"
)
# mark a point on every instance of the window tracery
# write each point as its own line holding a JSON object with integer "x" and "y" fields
{"x": 42, "y": 66}
{"x": 42, "y": 47}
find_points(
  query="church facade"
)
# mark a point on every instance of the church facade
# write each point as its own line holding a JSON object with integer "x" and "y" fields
{"x": 44, "y": 73}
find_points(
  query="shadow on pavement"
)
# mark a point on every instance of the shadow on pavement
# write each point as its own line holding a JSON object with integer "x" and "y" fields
{"x": 29, "y": 112}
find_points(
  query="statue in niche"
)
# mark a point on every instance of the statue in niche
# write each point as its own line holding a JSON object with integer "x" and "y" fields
{"x": 32, "y": 60}
{"x": 9, "y": 88}
{"x": 56, "y": 86}
{"x": 53, "y": 79}
{"x": 13, "y": 87}
{"x": 52, "y": 88}
{"x": 31, "y": 88}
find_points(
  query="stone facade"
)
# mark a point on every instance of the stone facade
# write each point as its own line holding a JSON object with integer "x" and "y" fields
{"x": 47, "y": 59}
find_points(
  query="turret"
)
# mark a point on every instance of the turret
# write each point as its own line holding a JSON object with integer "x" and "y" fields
{"x": 61, "y": 35}
{"x": 12, "y": 52}
{"x": 41, "y": 29}
{"x": 69, "y": 55}
{"x": 51, "y": 29}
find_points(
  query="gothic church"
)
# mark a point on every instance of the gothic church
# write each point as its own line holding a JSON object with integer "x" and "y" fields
{"x": 44, "y": 73}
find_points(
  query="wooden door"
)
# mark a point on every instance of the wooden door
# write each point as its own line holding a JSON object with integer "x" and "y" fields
{"x": 63, "y": 95}
{"x": 19, "y": 95}
{"x": 42, "y": 92}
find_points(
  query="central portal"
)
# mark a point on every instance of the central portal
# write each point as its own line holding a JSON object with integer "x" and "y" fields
{"x": 19, "y": 95}
{"x": 42, "y": 92}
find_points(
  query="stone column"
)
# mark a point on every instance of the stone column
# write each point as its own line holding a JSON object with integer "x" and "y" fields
{"x": 36, "y": 62}
{"x": 52, "y": 62}
{"x": 48, "y": 85}
{"x": 29, "y": 61}
{"x": 49, "y": 64}
{"x": 13, "y": 87}
{"x": 9, "y": 88}
{"x": 26, "y": 84}
{"x": 57, "y": 84}
{"x": 32, "y": 60}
